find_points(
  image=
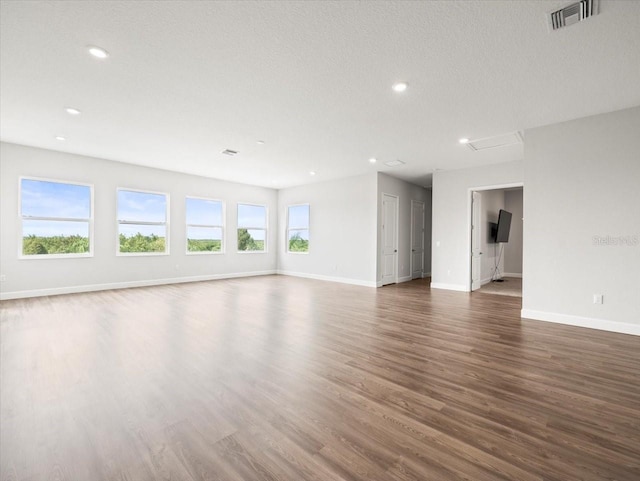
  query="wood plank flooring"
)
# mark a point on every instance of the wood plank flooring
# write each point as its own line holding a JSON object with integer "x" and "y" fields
{"x": 279, "y": 378}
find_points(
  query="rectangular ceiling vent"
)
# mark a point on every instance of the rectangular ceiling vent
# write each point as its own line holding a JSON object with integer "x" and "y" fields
{"x": 497, "y": 141}
{"x": 574, "y": 13}
{"x": 394, "y": 163}
{"x": 229, "y": 152}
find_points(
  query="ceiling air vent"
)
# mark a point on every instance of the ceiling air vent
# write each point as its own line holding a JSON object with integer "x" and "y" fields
{"x": 229, "y": 152}
{"x": 394, "y": 163}
{"x": 574, "y": 13}
{"x": 497, "y": 141}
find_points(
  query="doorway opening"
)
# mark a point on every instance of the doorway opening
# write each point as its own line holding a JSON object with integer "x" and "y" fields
{"x": 417, "y": 239}
{"x": 389, "y": 239}
{"x": 497, "y": 216}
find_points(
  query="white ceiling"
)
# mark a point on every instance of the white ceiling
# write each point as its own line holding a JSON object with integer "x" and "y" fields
{"x": 186, "y": 80}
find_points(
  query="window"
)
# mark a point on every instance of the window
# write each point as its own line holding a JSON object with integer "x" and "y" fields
{"x": 298, "y": 228}
{"x": 204, "y": 225}
{"x": 252, "y": 228}
{"x": 57, "y": 218}
{"x": 142, "y": 222}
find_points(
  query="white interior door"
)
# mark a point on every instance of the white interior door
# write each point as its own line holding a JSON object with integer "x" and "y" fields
{"x": 389, "y": 239}
{"x": 417, "y": 239}
{"x": 476, "y": 240}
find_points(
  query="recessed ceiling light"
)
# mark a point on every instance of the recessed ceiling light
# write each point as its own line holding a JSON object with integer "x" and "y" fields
{"x": 97, "y": 52}
{"x": 373, "y": 160}
{"x": 60, "y": 138}
{"x": 464, "y": 141}
{"x": 400, "y": 86}
{"x": 72, "y": 111}
{"x": 260, "y": 142}
{"x": 312, "y": 173}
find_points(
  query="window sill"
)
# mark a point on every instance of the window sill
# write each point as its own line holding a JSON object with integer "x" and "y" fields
{"x": 54, "y": 256}
{"x": 141, "y": 254}
{"x": 204, "y": 253}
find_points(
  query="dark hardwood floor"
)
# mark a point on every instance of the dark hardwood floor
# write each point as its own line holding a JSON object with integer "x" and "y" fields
{"x": 280, "y": 378}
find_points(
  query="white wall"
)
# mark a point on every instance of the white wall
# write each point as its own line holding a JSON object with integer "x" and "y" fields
{"x": 492, "y": 202}
{"x": 451, "y": 237}
{"x": 342, "y": 234}
{"x": 582, "y": 181}
{"x": 105, "y": 269}
{"x": 513, "y": 248}
{"x": 405, "y": 192}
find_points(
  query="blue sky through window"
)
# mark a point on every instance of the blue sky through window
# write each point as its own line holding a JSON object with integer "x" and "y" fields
{"x": 204, "y": 212}
{"x": 302, "y": 233}
{"x": 252, "y": 216}
{"x": 40, "y": 198}
{"x": 130, "y": 230}
{"x": 204, "y": 233}
{"x": 141, "y": 207}
{"x": 48, "y": 228}
{"x": 299, "y": 216}
{"x": 257, "y": 234}
{"x": 55, "y": 199}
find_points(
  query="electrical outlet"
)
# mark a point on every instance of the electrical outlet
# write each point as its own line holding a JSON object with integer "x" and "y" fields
{"x": 598, "y": 298}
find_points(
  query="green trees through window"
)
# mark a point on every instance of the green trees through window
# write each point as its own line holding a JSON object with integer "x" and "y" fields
{"x": 38, "y": 245}
{"x": 56, "y": 218}
{"x": 298, "y": 228}
{"x": 141, "y": 243}
{"x": 142, "y": 222}
{"x": 298, "y": 244}
{"x": 205, "y": 219}
{"x": 247, "y": 243}
{"x": 252, "y": 228}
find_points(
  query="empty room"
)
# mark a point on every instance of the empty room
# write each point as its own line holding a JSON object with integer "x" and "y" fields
{"x": 320, "y": 240}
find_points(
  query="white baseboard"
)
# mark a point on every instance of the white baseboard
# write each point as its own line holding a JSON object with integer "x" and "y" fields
{"x": 125, "y": 285}
{"x": 512, "y": 274}
{"x": 400, "y": 280}
{"x": 343, "y": 280}
{"x": 449, "y": 287}
{"x": 591, "y": 323}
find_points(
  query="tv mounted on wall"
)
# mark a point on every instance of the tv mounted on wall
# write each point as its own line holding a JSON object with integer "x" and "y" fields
{"x": 504, "y": 226}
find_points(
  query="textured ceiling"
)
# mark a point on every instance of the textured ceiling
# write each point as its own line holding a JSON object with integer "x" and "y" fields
{"x": 186, "y": 80}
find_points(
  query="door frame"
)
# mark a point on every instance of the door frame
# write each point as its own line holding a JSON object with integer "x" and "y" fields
{"x": 413, "y": 202}
{"x": 476, "y": 235}
{"x": 469, "y": 244}
{"x": 395, "y": 237}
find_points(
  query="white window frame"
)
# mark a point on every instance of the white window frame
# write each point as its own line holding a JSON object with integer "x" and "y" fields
{"x": 221, "y": 227}
{"x": 125, "y": 222}
{"x": 289, "y": 228}
{"x": 22, "y": 218}
{"x": 265, "y": 228}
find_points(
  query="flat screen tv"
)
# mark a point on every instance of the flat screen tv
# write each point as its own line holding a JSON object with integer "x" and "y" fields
{"x": 504, "y": 225}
